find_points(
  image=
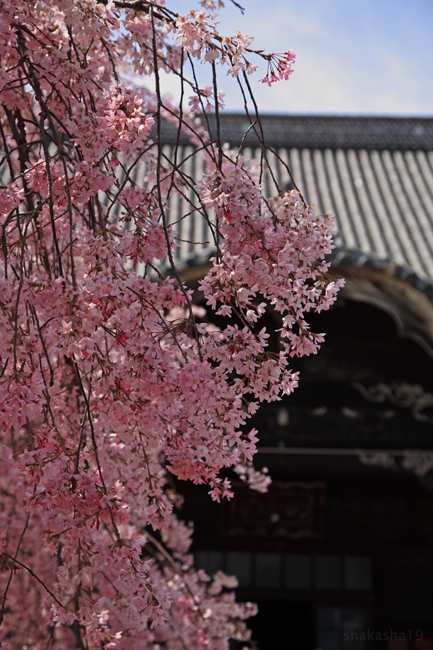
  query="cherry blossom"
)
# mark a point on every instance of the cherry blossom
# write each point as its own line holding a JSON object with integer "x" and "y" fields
{"x": 279, "y": 67}
{"x": 114, "y": 385}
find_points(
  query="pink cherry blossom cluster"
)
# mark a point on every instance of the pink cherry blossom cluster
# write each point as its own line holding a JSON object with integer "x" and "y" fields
{"x": 279, "y": 67}
{"x": 114, "y": 386}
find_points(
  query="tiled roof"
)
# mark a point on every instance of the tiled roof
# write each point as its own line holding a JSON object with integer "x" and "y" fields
{"x": 375, "y": 174}
{"x": 323, "y": 132}
{"x": 382, "y": 199}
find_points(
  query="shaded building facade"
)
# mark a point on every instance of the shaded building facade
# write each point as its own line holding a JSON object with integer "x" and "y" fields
{"x": 339, "y": 552}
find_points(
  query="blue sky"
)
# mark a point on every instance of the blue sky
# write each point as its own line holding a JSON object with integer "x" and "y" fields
{"x": 366, "y": 57}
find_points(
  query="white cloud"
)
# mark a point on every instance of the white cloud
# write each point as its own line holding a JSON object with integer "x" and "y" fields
{"x": 361, "y": 56}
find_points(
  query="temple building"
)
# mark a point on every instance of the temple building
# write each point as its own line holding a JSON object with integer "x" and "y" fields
{"x": 339, "y": 552}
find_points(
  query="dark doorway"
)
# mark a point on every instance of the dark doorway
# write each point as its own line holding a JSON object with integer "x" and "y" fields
{"x": 283, "y": 625}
